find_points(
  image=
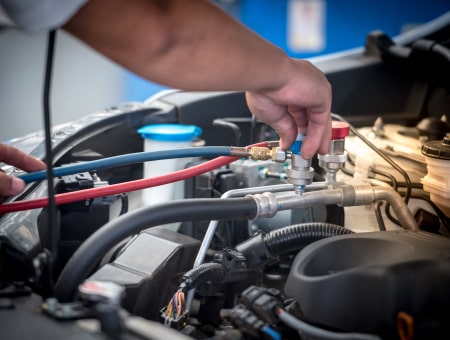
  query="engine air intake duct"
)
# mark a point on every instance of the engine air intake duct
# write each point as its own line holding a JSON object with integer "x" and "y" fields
{"x": 361, "y": 282}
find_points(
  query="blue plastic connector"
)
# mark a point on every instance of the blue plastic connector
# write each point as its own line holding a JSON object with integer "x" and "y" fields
{"x": 295, "y": 149}
{"x": 297, "y": 145}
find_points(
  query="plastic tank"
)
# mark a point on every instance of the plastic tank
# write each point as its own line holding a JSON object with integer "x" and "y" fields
{"x": 164, "y": 137}
{"x": 437, "y": 180}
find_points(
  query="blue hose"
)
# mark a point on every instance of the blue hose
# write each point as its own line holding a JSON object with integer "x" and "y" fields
{"x": 139, "y": 157}
{"x": 273, "y": 334}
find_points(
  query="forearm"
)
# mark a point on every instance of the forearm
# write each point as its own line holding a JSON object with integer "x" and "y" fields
{"x": 193, "y": 45}
{"x": 161, "y": 41}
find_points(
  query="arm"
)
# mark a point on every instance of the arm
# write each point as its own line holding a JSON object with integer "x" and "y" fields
{"x": 193, "y": 45}
{"x": 10, "y": 185}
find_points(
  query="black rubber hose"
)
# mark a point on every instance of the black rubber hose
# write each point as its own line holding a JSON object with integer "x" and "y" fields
{"x": 295, "y": 237}
{"x": 89, "y": 254}
{"x": 205, "y": 272}
{"x": 261, "y": 249}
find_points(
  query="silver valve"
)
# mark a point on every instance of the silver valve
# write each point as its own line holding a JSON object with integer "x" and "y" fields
{"x": 336, "y": 157}
{"x": 299, "y": 173}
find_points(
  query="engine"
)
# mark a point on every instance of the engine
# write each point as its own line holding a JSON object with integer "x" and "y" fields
{"x": 181, "y": 237}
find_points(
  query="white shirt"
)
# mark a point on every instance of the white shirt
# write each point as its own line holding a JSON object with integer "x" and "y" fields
{"x": 38, "y": 15}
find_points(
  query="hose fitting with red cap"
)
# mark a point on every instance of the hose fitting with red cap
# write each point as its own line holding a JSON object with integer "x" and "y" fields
{"x": 337, "y": 156}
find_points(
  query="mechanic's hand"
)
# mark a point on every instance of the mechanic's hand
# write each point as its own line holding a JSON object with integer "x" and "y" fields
{"x": 10, "y": 185}
{"x": 301, "y": 105}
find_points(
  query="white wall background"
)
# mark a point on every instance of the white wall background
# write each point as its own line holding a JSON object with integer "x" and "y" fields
{"x": 83, "y": 81}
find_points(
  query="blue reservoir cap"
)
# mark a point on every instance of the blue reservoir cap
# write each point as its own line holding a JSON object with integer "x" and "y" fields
{"x": 170, "y": 132}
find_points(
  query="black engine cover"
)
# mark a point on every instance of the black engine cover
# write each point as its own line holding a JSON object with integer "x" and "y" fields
{"x": 361, "y": 282}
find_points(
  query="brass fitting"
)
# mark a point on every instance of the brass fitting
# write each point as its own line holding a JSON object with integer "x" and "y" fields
{"x": 259, "y": 153}
{"x": 264, "y": 153}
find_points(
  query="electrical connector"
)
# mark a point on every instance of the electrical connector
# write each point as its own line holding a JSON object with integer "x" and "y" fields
{"x": 235, "y": 264}
{"x": 263, "y": 302}
{"x": 77, "y": 182}
{"x": 244, "y": 320}
{"x": 256, "y": 252}
{"x": 175, "y": 322}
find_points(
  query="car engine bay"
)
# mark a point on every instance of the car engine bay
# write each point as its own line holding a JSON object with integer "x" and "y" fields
{"x": 248, "y": 241}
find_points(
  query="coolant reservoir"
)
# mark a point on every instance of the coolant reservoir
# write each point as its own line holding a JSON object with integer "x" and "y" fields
{"x": 437, "y": 180}
{"x": 159, "y": 137}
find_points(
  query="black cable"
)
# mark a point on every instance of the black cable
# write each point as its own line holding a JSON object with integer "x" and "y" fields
{"x": 205, "y": 272}
{"x": 125, "y": 203}
{"x": 379, "y": 216}
{"x": 351, "y": 160}
{"x": 52, "y": 217}
{"x": 413, "y": 185}
{"x": 387, "y": 207}
{"x": 381, "y": 154}
{"x": 387, "y": 211}
{"x": 89, "y": 254}
{"x": 387, "y": 175}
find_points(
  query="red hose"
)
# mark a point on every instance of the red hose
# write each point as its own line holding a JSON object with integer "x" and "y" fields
{"x": 122, "y": 187}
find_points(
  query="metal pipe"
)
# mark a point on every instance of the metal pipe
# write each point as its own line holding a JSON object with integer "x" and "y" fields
{"x": 343, "y": 195}
{"x": 399, "y": 206}
{"x": 209, "y": 234}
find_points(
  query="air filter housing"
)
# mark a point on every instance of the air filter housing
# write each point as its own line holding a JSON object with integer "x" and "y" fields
{"x": 361, "y": 282}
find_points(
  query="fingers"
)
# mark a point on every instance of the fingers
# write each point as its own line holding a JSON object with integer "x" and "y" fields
{"x": 301, "y": 105}
{"x": 289, "y": 120}
{"x": 275, "y": 115}
{"x": 10, "y": 185}
{"x": 315, "y": 126}
{"x": 11, "y": 155}
{"x": 317, "y": 138}
{"x": 317, "y": 132}
{"x": 286, "y": 130}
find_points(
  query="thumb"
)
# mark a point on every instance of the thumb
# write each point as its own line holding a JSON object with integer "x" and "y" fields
{"x": 10, "y": 186}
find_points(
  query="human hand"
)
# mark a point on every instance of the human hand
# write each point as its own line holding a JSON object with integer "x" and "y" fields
{"x": 301, "y": 105}
{"x": 10, "y": 185}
